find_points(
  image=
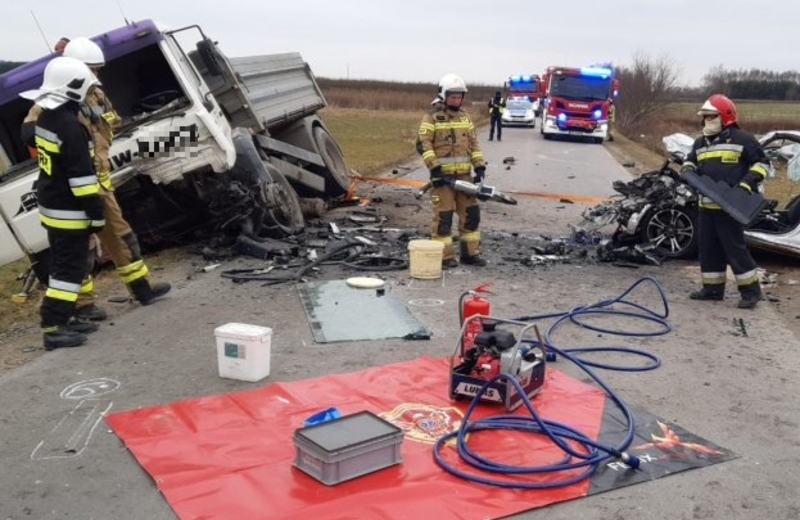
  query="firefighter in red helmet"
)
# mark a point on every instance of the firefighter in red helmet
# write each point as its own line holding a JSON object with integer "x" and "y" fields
{"x": 725, "y": 153}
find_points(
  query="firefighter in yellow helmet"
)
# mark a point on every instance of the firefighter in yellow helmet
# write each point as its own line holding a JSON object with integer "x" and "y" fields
{"x": 451, "y": 152}
{"x": 117, "y": 238}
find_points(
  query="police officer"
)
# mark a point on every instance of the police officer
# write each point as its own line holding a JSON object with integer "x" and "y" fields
{"x": 67, "y": 191}
{"x": 117, "y": 237}
{"x": 451, "y": 151}
{"x": 725, "y": 153}
{"x": 496, "y": 106}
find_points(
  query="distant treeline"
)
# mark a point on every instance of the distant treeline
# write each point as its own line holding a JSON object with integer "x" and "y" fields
{"x": 388, "y": 95}
{"x": 755, "y": 84}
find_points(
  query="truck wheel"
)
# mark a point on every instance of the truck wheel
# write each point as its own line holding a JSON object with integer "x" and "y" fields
{"x": 284, "y": 212}
{"x": 337, "y": 176}
{"x": 672, "y": 229}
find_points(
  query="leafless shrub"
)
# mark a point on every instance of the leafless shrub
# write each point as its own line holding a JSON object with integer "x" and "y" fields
{"x": 647, "y": 86}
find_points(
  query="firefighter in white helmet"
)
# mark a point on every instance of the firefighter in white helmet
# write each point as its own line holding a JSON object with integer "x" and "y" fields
{"x": 67, "y": 191}
{"x": 725, "y": 153}
{"x": 451, "y": 152}
{"x": 117, "y": 237}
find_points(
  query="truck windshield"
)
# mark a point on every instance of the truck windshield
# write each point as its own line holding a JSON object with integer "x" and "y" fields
{"x": 579, "y": 87}
{"x": 522, "y": 88}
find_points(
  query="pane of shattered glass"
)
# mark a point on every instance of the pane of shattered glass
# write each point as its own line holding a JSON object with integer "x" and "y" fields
{"x": 338, "y": 312}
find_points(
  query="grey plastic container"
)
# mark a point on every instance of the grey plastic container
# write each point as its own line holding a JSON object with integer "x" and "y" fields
{"x": 347, "y": 447}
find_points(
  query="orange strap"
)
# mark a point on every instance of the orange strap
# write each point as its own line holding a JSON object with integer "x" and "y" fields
{"x": 560, "y": 196}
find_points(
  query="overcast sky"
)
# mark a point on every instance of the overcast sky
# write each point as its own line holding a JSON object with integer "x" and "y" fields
{"x": 413, "y": 40}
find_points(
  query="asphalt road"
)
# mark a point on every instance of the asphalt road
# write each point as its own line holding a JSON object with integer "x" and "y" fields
{"x": 60, "y": 460}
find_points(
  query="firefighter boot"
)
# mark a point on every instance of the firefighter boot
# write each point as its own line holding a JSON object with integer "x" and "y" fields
{"x": 449, "y": 263}
{"x": 62, "y": 337}
{"x": 91, "y": 313}
{"x": 145, "y": 293}
{"x": 709, "y": 293}
{"x": 84, "y": 327}
{"x": 750, "y": 295}
{"x": 466, "y": 259}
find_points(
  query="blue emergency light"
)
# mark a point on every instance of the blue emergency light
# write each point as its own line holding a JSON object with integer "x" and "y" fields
{"x": 562, "y": 117}
{"x": 597, "y": 114}
{"x": 600, "y": 72}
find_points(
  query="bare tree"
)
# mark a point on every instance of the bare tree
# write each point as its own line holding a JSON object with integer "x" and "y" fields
{"x": 647, "y": 86}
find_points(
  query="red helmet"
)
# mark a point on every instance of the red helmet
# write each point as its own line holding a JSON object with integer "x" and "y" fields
{"x": 719, "y": 104}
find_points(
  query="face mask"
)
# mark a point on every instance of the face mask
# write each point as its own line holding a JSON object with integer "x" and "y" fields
{"x": 712, "y": 126}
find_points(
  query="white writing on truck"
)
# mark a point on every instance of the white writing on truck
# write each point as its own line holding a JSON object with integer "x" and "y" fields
{"x": 160, "y": 144}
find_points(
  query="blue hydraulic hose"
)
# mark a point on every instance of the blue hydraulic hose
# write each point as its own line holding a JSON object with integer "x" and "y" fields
{"x": 592, "y": 453}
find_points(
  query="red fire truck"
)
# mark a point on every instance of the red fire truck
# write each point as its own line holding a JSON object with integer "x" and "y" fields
{"x": 576, "y": 101}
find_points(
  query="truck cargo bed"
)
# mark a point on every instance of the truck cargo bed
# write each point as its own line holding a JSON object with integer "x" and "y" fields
{"x": 276, "y": 89}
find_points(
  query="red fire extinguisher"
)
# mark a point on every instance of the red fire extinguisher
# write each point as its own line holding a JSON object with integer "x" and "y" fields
{"x": 471, "y": 304}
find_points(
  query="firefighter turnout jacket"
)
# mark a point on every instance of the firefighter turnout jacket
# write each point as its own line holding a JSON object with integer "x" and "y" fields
{"x": 733, "y": 156}
{"x": 100, "y": 119}
{"x": 448, "y": 140}
{"x": 67, "y": 188}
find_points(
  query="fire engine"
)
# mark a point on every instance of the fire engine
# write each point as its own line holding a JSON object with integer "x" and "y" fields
{"x": 576, "y": 101}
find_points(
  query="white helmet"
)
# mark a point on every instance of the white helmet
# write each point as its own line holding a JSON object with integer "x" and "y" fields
{"x": 65, "y": 79}
{"x": 436, "y": 101}
{"x": 85, "y": 50}
{"x": 451, "y": 83}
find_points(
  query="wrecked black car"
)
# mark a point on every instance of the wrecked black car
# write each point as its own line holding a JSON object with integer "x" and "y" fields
{"x": 655, "y": 214}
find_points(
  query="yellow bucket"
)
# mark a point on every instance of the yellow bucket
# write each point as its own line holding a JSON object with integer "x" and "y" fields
{"x": 425, "y": 258}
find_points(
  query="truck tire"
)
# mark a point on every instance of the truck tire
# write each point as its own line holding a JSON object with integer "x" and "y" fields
{"x": 284, "y": 213}
{"x": 337, "y": 175}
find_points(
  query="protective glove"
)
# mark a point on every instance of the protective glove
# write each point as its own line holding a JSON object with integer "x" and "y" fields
{"x": 688, "y": 169}
{"x": 480, "y": 174}
{"x": 437, "y": 177}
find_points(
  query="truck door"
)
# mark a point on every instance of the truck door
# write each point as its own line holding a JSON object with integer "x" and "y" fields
{"x": 224, "y": 84}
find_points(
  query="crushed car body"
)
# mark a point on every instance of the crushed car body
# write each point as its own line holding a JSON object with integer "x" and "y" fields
{"x": 655, "y": 214}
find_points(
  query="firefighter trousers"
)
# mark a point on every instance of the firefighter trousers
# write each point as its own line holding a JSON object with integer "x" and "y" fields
{"x": 496, "y": 123}
{"x": 118, "y": 239}
{"x": 68, "y": 268}
{"x": 721, "y": 243}
{"x": 448, "y": 203}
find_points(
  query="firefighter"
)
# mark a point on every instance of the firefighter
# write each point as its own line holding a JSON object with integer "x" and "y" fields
{"x": 60, "y": 44}
{"x": 612, "y": 119}
{"x": 725, "y": 153}
{"x": 451, "y": 151}
{"x": 496, "y": 106}
{"x": 117, "y": 237}
{"x": 67, "y": 191}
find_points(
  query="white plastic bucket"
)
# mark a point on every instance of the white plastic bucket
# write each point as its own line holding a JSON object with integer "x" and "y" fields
{"x": 425, "y": 258}
{"x": 243, "y": 351}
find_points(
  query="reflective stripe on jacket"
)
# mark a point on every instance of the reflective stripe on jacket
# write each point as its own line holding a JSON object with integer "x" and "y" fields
{"x": 67, "y": 188}
{"x": 733, "y": 156}
{"x": 448, "y": 140}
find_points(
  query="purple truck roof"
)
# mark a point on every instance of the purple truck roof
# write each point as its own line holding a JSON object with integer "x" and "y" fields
{"x": 114, "y": 43}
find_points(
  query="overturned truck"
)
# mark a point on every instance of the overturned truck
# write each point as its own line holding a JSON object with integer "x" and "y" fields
{"x": 208, "y": 143}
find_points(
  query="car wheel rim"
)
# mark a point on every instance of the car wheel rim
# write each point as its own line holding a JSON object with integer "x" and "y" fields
{"x": 671, "y": 231}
